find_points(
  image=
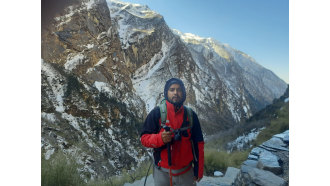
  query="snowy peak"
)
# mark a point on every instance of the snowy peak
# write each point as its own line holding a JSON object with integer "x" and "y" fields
{"x": 133, "y": 21}
{"x": 222, "y": 50}
{"x": 189, "y": 37}
{"x": 137, "y": 10}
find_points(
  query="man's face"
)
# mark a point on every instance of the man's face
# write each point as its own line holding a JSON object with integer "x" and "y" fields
{"x": 174, "y": 93}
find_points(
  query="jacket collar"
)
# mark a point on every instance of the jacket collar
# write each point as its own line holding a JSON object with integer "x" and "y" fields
{"x": 171, "y": 107}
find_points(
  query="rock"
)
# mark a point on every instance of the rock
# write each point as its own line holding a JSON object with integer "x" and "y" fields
{"x": 231, "y": 174}
{"x": 253, "y": 176}
{"x": 251, "y": 163}
{"x": 269, "y": 161}
{"x": 286, "y": 138}
{"x": 282, "y": 135}
{"x": 275, "y": 143}
{"x": 212, "y": 181}
{"x": 252, "y": 157}
{"x": 218, "y": 173}
{"x": 257, "y": 151}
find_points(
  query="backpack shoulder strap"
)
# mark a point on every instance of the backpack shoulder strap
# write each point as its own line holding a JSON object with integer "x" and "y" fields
{"x": 163, "y": 112}
{"x": 191, "y": 124}
{"x": 190, "y": 116}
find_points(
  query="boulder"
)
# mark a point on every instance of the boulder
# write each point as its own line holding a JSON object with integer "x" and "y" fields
{"x": 218, "y": 173}
{"x": 231, "y": 173}
{"x": 268, "y": 161}
{"x": 227, "y": 180}
{"x": 251, "y": 163}
{"x": 253, "y": 176}
{"x": 257, "y": 151}
{"x": 283, "y": 136}
{"x": 286, "y": 139}
{"x": 275, "y": 143}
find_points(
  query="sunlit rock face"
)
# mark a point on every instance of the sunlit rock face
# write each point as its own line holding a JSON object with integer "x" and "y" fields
{"x": 89, "y": 107}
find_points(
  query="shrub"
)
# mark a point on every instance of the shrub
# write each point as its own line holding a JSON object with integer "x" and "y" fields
{"x": 276, "y": 126}
{"x": 60, "y": 171}
{"x": 220, "y": 160}
{"x": 126, "y": 177}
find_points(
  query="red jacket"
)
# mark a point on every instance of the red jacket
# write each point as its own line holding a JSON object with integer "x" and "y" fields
{"x": 181, "y": 151}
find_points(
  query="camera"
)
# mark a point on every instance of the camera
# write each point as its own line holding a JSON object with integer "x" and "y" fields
{"x": 177, "y": 135}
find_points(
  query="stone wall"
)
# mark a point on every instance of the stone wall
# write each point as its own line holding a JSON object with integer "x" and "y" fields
{"x": 267, "y": 164}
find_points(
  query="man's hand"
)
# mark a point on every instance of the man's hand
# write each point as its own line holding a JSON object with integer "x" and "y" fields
{"x": 167, "y": 136}
{"x": 197, "y": 179}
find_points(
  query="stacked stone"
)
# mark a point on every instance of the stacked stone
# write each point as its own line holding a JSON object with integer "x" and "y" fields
{"x": 267, "y": 164}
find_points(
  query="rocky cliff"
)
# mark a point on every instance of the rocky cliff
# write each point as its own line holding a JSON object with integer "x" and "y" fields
{"x": 89, "y": 108}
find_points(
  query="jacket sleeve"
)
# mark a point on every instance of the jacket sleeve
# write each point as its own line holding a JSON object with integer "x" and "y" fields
{"x": 150, "y": 137}
{"x": 198, "y": 142}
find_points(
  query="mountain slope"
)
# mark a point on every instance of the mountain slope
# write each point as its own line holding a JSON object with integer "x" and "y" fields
{"x": 224, "y": 84}
{"x": 88, "y": 107}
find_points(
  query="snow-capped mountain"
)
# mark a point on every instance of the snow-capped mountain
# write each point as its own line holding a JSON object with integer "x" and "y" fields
{"x": 224, "y": 84}
{"x": 104, "y": 66}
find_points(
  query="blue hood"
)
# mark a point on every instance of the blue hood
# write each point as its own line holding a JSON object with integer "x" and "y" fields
{"x": 171, "y": 82}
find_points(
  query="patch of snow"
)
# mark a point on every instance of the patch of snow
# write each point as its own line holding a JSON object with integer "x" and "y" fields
{"x": 66, "y": 18}
{"x": 104, "y": 87}
{"x": 245, "y": 109}
{"x": 89, "y": 46}
{"x": 72, "y": 120}
{"x": 54, "y": 79}
{"x": 198, "y": 96}
{"x": 49, "y": 151}
{"x": 90, "y": 4}
{"x": 49, "y": 116}
{"x": 128, "y": 15}
{"x": 240, "y": 142}
{"x": 231, "y": 106}
{"x": 73, "y": 60}
{"x": 189, "y": 37}
{"x": 101, "y": 61}
{"x": 142, "y": 80}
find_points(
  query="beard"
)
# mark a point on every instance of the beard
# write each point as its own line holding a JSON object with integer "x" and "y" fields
{"x": 177, "y": 102}
{"x": 176, "y": 99}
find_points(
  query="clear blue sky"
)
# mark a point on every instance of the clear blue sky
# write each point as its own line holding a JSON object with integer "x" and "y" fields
{"x": 259, "y": 28}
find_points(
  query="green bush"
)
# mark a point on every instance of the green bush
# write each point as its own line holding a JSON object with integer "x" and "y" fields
{"x": 278, "y": 125}
{"x": 220, "y": 160}
{"x": 60, "y": 170}
{"x": 126, "y": 177}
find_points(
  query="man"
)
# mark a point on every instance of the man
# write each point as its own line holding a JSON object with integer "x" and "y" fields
{"x": 174, "y": 156}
